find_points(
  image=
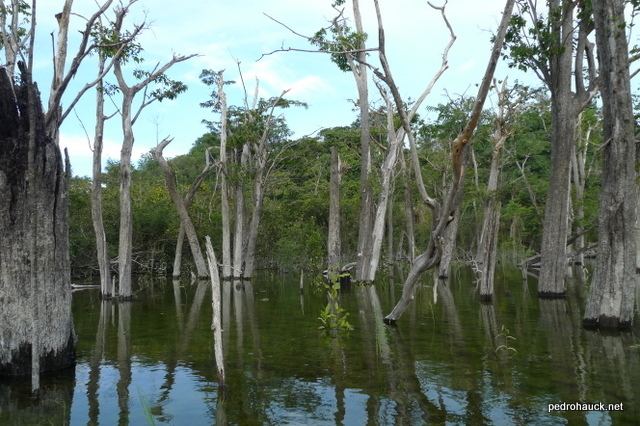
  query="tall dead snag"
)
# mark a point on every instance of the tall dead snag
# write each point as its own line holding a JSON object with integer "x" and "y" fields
{"x": 333, "y": 240}
{"x": 33, "y": 187}
{"x": 238, "y": 236}
{"x": 215, "y": 302}
{"x": 104, "y": 264}
{"x": 488, "y": 241}
{"x": 611, "y": 297}
{"x": 179, "y": 202}
{"x": 129, "y": 117}
{"x": 224, "y": 194}
{"x": 442, "y": 218}
{"x": 385, "y": 191}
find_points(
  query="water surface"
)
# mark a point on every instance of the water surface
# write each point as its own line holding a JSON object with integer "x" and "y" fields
{"x": 450, "y": 360}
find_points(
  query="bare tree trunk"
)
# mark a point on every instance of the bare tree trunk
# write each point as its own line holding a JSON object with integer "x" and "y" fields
{"x": 254, "y": 223}
{"x": 431, "y": 256}
{"x": 390, "y": 252}
{"x": 408, "y": 209}
{"x": 215, "y": 302}
{"x": 104, "y": 265}
{"x": 224, "y": 194}
{"x": 333, "y": 244}
{"x": 125, "y": 240}
{"x": 177, "y": 258}
{"x": 611, "y": 298}
{"x": 377, "y": 233}
{"x": 238, "y": 261}
{"x": 449, "y": 237}
{"x": 33, "y": 236}
{"x": 178, "y": 201}
{"x": 488, "y": 242}
{"x": 366, "y": 197}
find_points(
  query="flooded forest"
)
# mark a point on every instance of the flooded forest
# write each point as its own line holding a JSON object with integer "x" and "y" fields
{"x": 451, "y": 252}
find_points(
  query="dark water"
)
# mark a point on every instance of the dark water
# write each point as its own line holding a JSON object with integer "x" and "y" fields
{"x": 151, "y": 361}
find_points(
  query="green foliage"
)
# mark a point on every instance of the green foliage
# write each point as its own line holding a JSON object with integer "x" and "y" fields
{"x": 333, "y": 317}
{"x": 507, "y": 339}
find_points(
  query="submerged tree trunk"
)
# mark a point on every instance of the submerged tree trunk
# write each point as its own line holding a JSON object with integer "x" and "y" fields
{"x": 104, "y": 265}
{"x": 32, "y": 213}
{"x": 359, "y": 71}
{"x": 125, "y": 240}
{"x": 224, "y": 194}
{"x": 333, "y": 240}
{"x": 488, "y": 242}
{"x": 611, "y": 298}
{"x": 238, "y": 261}
{"x": 179, "y": 203}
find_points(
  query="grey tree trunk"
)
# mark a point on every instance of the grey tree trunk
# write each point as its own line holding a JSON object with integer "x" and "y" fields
{"x": 178, "y": 201}
{"x": 33, "y": 237}
{"x": 238, "y": 261}
{"x": 102, "y": 252}
{"x": 125, "y": 239}
{"x": 366, "y": 197}
{"x": 224, "y": 194}
{"x": 488, "y": 241}
{"x": 254, "y": 223}
{"x": 612, "y": 294}
{"x": 408, "y": 209}
{"x": 333, "y": 240}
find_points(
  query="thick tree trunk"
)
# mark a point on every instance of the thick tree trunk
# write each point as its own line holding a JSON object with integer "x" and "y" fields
{"x": 448, "y": 247}
{"x": 179, "y": 203}
{"x": 611, "y": 297}
{"x": 333, "y": 240}
{"x": 33, "y": 239}
{"x": 564, "y": 112}
{"x": 102, "y": 252}
{"x": 125, "y": 239}
{"x": 177, "y": 258}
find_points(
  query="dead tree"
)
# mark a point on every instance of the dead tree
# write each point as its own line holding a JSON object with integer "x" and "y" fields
{"x": 128, "y": 118}
{"x": 185, "y": 220}
{"x": 442, "y": 213}
{"x": 612, "y": 294}
{"x": 333, "y": 239}
{"x": 35, "y": 291}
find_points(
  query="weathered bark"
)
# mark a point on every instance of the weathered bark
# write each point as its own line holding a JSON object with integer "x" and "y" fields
{"x": 431, "y": 256}
{"x": 216, "y": 326}
{"x": 224, "y": 194}
{"x": 565, "y": 107}
{"x": 238, "y": 261}
{"x": 611, "y": 298}
{"x": 488, "y": 242}
{"x": 333, "y": 240}
{"x": 102, "y": 252}
{"x": 33, "y": 237}
{"x": 359, "y": 71}
{"x": 377, "y": 233}
{"x": 448, "y": 245}
{"x": 125, "y": 239}
{"x": 578, "y": 160}
{"x": 408, "y": 210}
{"x": 254, "y": 223}
{"x": 178, "y": 202}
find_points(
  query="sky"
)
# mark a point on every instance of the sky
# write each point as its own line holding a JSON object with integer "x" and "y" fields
{"x": 223, "y": 33}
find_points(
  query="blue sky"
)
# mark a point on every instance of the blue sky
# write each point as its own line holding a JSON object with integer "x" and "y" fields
{"x": 222, "y": 32}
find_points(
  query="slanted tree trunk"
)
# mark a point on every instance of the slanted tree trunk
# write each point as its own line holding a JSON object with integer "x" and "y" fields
{"x": 104, "y": 265}
{"x": 188, "y": 199}
{"x": 178, "y": 201}
{"x": 333, "y": 240}
{"x": 431, "y": 256}
{"x": 33, "y": 211}
{"x": 611, "y": 297}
